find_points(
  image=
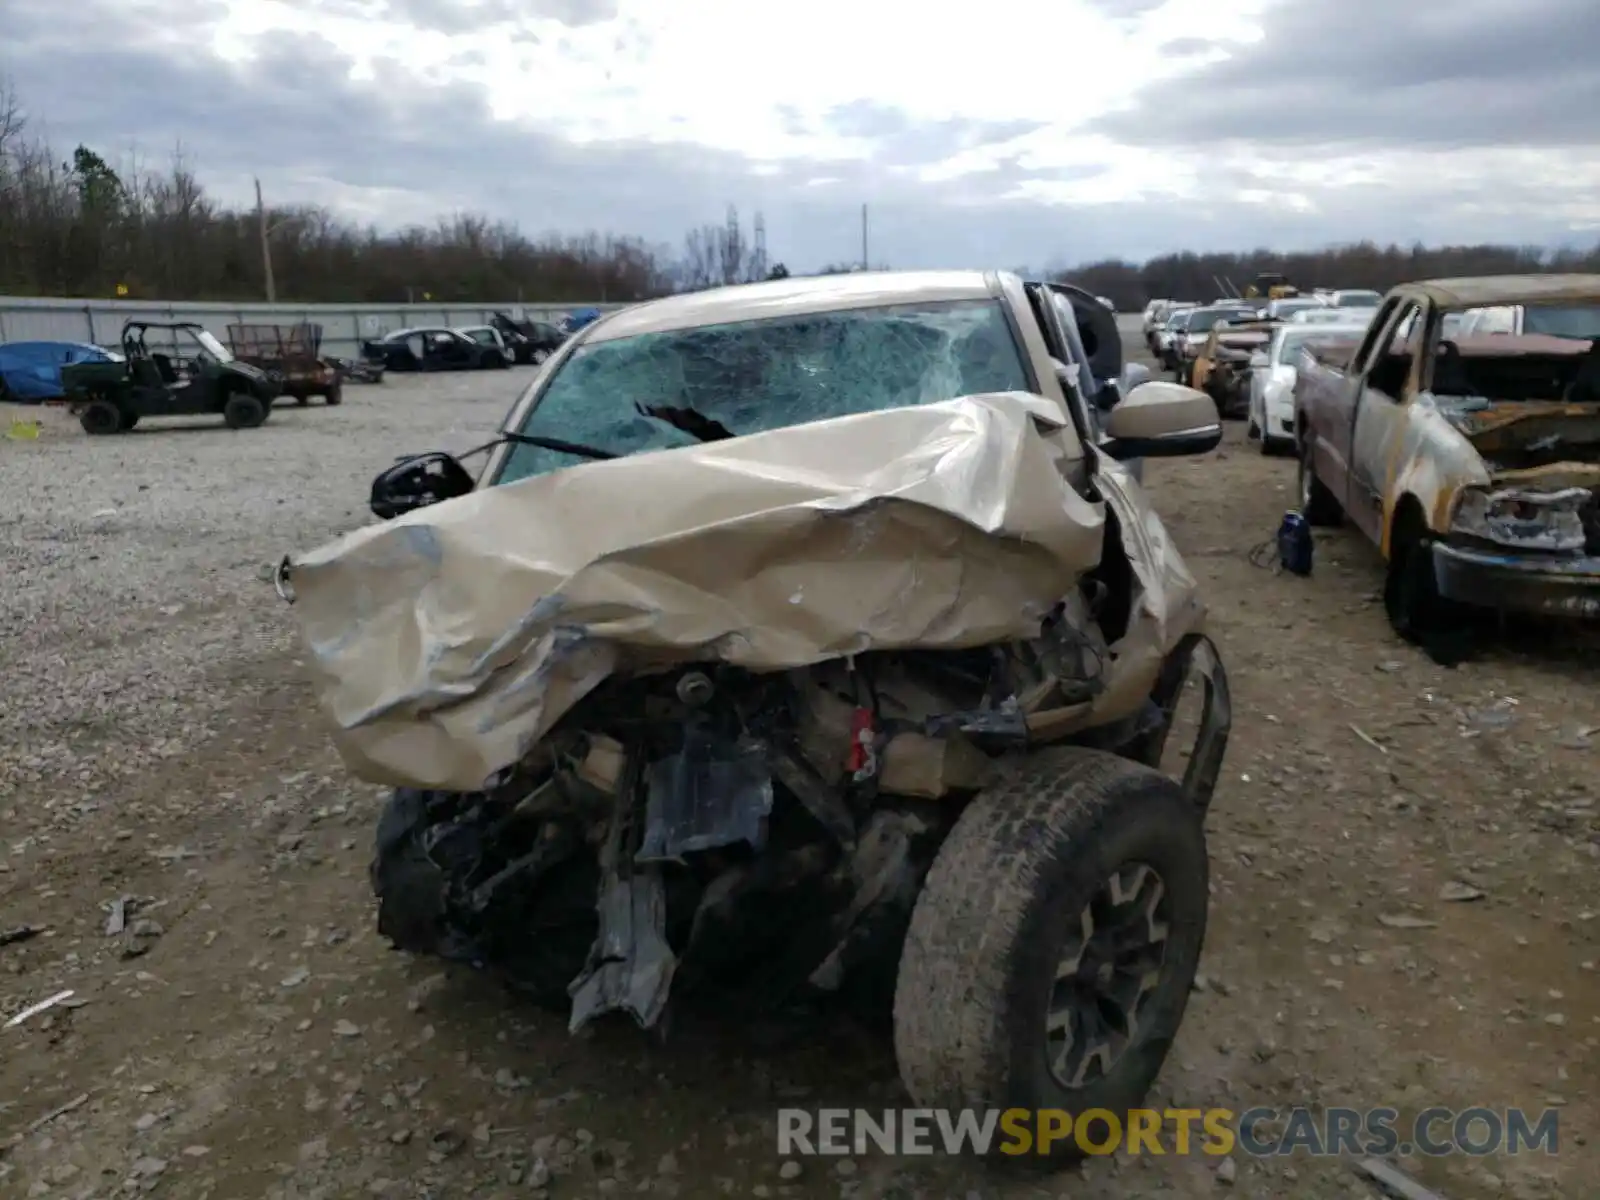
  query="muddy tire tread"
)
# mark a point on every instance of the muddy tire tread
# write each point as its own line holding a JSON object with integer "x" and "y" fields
{"x": 953, "y": 993}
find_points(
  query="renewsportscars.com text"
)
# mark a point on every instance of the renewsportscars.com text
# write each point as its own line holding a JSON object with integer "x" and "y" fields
{"x": 1258, "y": 1132}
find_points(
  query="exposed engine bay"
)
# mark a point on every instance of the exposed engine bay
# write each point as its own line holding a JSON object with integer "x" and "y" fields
{"x": 704, "y": 830}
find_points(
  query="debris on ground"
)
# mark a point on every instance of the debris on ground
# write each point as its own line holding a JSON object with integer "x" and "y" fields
{"x": 76, "y": 1102}
{"x": 45, "y": 1005}
{"x": 1394, "y": 1182}
{"x": 117, "y": 917}
{"x": 1405, "y": 921}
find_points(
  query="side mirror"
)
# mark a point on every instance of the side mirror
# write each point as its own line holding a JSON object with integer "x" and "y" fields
{"x": 1258, "y": 360}
{"x": 417, "y": 482}
{"x": 1162, "y": 420}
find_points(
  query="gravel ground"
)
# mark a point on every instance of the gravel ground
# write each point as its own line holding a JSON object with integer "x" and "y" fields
{"x": 248, "y": 1034}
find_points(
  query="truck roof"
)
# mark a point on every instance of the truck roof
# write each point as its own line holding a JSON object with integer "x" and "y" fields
{"x": 793, "y": 296}
{"x": 1484, "y": 291}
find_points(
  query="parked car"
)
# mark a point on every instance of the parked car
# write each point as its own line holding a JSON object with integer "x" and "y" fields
{"x": 435, "y": 349}
{"x": 1222, "y": 367}
{"x": 30, "y": 372}
{"x": 1283, "y": 309}
{"x": 1331, "y": 316}
{"x": 1273, "y": 370}
{"x": 1197, "y": 326}
{"x": 1157, "y": 324}
{"x": 1167, "y": 335}
{"x": 901, "y": 612}
{"x": 488, "y": 335}
{"x": 1154, "y": 313}
{"x": 1354, "y": 298}
{"x": 1473, "y": 463}
{"x": 1580, "y": 321}
{"x": 530, "y": 342}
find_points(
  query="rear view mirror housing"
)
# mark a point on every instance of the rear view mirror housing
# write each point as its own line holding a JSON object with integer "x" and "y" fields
{"x": 1162, "y": 420}
{"x": 418, "y": 481}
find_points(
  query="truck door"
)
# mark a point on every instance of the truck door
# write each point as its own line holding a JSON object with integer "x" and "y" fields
{"x": 1060, "y": 346}
{"x": 1331, "y": 416}
{"x": 1096, "y": 326}
{"x": 1381, "y": 394}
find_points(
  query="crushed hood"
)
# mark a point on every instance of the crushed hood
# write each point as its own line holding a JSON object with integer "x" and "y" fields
{"x": 447, "y": 642}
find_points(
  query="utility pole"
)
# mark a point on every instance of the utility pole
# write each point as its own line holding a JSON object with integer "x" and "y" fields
{"x": 865, "y": 261}
{"x": 266, "y": 246}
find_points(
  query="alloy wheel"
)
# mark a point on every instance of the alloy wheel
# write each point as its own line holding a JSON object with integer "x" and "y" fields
{"x": 1109, "y": 968}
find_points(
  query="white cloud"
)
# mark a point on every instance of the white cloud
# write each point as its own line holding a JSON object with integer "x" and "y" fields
{"x": 1011, "y": 131}
{"x": 760, "y": 81}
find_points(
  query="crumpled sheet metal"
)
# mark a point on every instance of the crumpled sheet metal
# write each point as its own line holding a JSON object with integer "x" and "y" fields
{"x": 446, "y": 642}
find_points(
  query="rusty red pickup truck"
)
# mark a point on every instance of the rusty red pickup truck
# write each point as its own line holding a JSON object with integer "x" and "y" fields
{"x": 1473, "y": 464}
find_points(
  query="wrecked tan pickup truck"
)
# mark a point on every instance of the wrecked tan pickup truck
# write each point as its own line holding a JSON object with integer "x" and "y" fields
{"x": 801, "y": 638}
{"x": 1474, "y": 464}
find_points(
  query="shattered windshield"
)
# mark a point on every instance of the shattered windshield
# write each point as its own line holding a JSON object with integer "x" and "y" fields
{"x": 1581, "y": 321}
{"x": 752, "y": 376}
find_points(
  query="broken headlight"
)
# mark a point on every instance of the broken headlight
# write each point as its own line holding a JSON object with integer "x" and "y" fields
{"x": 1522, "y": 519}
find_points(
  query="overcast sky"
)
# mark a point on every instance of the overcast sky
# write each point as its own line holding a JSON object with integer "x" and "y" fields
{"x": 1003, "y": 133}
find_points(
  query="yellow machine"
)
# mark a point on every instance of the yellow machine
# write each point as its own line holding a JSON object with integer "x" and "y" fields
{"x": 1271, "y": 285}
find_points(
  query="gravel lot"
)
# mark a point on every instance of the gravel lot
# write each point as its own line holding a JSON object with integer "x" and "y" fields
{"x": 248, "y": 1034}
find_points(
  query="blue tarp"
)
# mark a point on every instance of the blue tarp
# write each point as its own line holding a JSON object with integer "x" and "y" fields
{"x": 578, "y": 318}
{"x": 31, "y": 371}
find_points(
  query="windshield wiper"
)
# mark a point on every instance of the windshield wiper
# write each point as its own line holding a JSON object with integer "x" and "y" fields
{"x": 557, "y": 444}
{"x": 544, "y": 443}
{"x": 696, "y": 424}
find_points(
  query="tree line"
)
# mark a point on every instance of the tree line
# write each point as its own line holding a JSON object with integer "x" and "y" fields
{"x": 1362, "y": 265}
{"x": 83, "y": 226}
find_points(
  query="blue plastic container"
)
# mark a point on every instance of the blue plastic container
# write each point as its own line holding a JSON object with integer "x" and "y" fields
{"x": 1295, "y": 547}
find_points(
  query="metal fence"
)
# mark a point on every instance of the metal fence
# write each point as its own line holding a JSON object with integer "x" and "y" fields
{"x": 344, "y": 326}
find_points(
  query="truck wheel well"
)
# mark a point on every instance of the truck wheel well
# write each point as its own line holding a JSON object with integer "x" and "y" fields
{"x": 1115, "y": 573}
{"x": 1408, "y": 522}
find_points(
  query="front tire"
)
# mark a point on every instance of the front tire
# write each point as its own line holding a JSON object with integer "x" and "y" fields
{"x": 243, "y": 411}
{"x": 1052, "y": 949}
{"x": 1411, "y": 599}
{"x": 101, "y": 417}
